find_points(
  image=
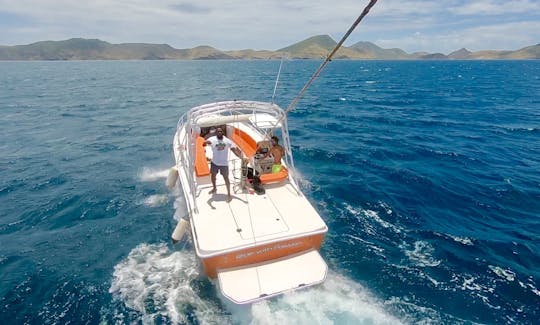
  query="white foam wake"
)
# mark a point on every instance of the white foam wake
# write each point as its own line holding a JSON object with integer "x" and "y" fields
{"x": 462, "y": 240}
{"x": 158, "y": 282}
{"x": 150, "y": 174}
{"x": 422, "y": 254}
{"x": 507, "y": 274}
{"x": 364, "y": 216}
{"x": 155, "y": 200}
{"x": 338, "y": 300}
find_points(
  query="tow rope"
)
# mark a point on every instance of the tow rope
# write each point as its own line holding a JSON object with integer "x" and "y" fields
{"x": 329, "y": 58}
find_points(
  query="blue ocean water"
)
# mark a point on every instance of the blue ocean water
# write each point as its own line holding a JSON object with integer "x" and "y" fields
{"x": 426, "y": 172}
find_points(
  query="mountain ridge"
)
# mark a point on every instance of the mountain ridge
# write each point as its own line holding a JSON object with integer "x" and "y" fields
{"x": 315, "y": 47}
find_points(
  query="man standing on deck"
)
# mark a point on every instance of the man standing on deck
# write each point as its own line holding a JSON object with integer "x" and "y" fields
{"x": 220, "y": 159}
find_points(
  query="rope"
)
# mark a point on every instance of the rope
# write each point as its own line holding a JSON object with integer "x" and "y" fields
{"x": 328, "y": 59}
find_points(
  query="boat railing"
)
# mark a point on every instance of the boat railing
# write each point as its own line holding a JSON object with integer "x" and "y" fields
{"x": 190, "y": 121}
{"x": 187, "y": 150}
{"x": 289, "y": 161}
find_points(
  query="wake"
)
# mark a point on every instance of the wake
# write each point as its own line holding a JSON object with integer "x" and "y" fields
{"x": 150, "y": 174}
{"x": 158, "y": 282}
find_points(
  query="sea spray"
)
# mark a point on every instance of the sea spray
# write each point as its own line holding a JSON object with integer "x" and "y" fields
{"x": 156, "y": 281}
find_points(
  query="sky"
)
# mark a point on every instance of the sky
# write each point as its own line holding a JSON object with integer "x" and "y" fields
{"x": 413, "y": 25}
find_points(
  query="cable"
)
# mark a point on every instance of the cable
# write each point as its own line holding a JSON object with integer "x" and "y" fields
{"x": 328, "y": 59}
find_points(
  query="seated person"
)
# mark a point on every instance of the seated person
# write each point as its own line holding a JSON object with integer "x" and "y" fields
{"x": 277, "y": 153}
{"x": 263, "y": 147}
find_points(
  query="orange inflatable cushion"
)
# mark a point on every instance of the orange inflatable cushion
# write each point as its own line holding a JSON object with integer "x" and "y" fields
{"x": 244, "y": 142}
{"x": 201, "y": 164}
{"x": 274, "y": 177}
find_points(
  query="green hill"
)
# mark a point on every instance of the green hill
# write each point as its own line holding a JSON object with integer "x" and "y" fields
{"x": 87, "y": 49}
{"x": 140, "y": 51}
{"x": 373, "y": 51}
{"x": 460, "y": 54}
{"x": 530, "y": 52}
{"x": 250, "y": 54}
{"x": 316, "y": 47}
{"x": 72, "y": 49}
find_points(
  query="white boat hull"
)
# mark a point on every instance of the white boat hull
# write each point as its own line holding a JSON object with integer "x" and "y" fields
{"x": 252, "y": 231}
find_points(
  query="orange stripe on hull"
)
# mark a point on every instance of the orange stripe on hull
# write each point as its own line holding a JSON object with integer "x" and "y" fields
{"x": 260, "y": 253}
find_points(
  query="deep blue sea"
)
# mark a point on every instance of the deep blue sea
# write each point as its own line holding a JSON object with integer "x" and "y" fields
{"x": 426, "y": 172}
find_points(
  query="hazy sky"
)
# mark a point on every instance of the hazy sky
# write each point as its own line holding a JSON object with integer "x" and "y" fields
{"x": 412, "y": 25}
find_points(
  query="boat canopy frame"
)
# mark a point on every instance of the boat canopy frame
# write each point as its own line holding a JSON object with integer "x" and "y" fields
{"x": 263, "y": 117}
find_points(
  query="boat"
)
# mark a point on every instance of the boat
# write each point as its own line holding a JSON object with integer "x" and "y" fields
{"x": 263, "y": 241}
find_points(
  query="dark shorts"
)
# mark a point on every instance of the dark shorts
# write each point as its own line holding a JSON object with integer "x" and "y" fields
{"x": 224, "y": 170}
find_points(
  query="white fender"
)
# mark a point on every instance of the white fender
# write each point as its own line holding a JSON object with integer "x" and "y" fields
{"x": 172, "y": 177}
{"x": 180, "y": 230}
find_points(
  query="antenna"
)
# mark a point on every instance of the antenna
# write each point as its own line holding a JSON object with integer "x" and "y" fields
{"x": 277, "y": 79}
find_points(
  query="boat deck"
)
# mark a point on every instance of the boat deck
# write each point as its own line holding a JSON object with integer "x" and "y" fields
{"x": 257, "y": 245}
{"x": 250, "y": 219}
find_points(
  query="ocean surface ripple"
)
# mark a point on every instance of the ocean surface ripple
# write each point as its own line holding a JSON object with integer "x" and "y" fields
{"x": 426, "y": 172}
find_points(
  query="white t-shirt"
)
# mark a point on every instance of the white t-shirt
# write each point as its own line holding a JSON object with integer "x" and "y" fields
{"x": 220, "y": 150}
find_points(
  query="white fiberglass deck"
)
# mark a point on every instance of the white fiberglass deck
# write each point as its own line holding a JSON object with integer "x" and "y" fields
{"x": 249, "y": 284}
{"x": 279, "y": 214}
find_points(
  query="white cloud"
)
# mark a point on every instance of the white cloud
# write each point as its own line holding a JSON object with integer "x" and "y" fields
{"x": 475, "y": 38}
{"x": 265, "y": 24}
{"x": 491, "y": 7}
{"x": 397, "y": 8}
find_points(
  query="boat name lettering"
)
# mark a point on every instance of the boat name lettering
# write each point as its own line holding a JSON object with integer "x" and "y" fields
{"x": 269, "y": 249}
